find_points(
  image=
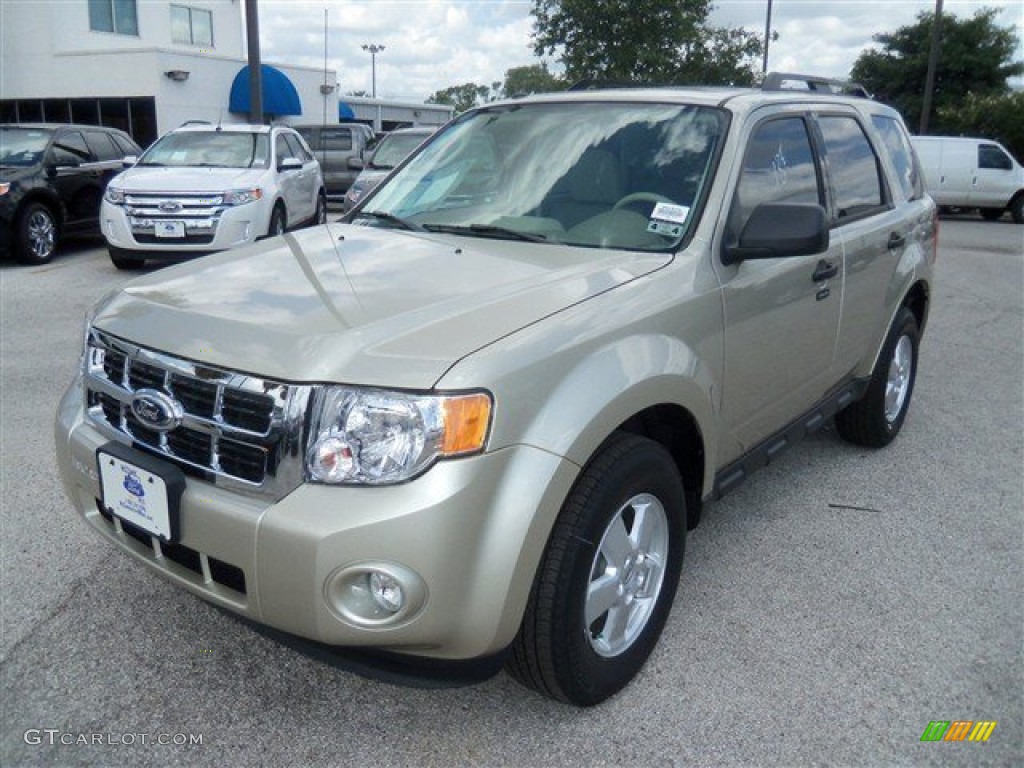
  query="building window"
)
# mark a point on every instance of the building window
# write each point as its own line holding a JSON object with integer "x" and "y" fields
{"x": 116, "y": 16}
{"x": 191, "y": 26}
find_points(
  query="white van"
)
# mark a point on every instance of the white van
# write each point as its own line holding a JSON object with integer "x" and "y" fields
{"x": 972, "y": 173}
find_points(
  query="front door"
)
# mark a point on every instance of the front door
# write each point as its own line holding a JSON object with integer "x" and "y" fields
{"x": 781, "y": 315}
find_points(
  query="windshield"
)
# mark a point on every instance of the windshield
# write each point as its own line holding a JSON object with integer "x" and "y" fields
{"x": 608, "y": 175}
{"x": 22, "y": 146}
{"x": 394, "y": 148}
{"x": 210, "y": 149}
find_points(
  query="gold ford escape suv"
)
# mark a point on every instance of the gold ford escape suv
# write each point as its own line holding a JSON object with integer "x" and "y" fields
{"x": 472, "y": 421}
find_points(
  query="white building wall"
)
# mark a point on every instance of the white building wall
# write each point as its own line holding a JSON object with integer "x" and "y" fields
{"x": 48, "y": 51}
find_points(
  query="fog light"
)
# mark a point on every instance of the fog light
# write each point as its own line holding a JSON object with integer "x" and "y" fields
{"x": 386, "y": 591}
{"x": 375, "y": 595}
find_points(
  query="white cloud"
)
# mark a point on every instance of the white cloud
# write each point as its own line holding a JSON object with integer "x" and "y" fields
{"x": 432, "y": 44}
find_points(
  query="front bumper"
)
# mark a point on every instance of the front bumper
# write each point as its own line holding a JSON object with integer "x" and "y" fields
{"x": 472, "y": 530}
{"x": 230, "y": 228}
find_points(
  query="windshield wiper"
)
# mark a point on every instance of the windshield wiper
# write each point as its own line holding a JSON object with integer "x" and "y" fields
{"x": 392, "y": 219}
{"x": 485, "y": 230}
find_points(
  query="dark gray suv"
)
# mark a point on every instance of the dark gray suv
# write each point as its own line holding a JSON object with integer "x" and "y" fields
{"x": 52, "y": 179}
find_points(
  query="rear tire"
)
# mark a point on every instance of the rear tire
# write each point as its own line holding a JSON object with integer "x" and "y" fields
{"x": 876, "y": 419}
{"x": 608, "y": 576}
{"x": 36, "y": 234}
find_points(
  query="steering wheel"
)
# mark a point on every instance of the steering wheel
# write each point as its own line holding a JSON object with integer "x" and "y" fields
{"x": 641, "y": 197}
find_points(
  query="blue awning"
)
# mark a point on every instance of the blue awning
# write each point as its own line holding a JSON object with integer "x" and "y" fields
{"x": 345, "y": 111}
{"x": 279, "y": 94}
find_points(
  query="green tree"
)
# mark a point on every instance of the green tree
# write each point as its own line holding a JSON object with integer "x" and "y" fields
{"x": 533, "y": 78}
{"x": 462, "y": 97}
{"x": 976, "y": 57}
{"x": 643, "y": 41}
{"x": 988, "y": 117}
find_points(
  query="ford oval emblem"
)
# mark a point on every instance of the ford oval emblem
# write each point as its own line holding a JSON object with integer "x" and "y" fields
{"x": 157, "y": 410}
{"x": 169, "y": 206}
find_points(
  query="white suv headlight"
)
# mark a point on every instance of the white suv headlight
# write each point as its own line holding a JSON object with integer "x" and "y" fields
{"x": 242, "y": 196}
{"x": 377, "y": 437}
{"x": 114, "y": 195}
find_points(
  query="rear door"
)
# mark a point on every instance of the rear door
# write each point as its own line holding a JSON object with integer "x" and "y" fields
{"x": 77, "y": 180}
{"x": 871, "y": 228}
{"x": 781, "y": 315}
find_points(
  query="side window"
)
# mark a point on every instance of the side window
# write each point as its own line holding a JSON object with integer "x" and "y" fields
{"x": 102, "y": 146}
{"x": 778, "y": 167}
{"x": 69, "y": 148}
{"x": 297, "y": 149}
{"x": 902, "y": 155}
{"x": 336, "y": 138}
{"x": 282, "y": 148}
{"x": 991, "y": 156}
{"x": 852, "y": 165}
{"x": 123, "y": 147}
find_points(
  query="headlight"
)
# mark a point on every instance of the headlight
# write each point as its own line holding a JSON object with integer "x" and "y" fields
{"x": 5, "y": 187}
{"x": 242, "y": 196}
{"x": 376, "y": 437}
{"x": 114, "y": 195}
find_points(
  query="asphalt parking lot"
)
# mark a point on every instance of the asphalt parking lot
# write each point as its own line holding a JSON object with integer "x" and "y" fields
{"x": 828, "y": 611}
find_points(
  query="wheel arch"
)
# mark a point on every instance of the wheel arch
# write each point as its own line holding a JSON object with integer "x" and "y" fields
{"x": 50, "y": 200}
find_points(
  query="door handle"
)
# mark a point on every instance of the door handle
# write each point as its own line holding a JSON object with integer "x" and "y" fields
{"x": 824, "y": 271}
{"x": 896, "y": 240}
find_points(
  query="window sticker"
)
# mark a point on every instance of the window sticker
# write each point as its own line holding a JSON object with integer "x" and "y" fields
{"x": 677, "y": 214}
{"x": 668, "y": 219}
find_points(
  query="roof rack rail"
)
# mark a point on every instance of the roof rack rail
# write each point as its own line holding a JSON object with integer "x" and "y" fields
{"x": 195, "y": 122}
{"x": 777, "y": 81}
{"x": 595, "y": 85}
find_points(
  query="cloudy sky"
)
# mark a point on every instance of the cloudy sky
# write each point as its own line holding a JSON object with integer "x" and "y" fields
{"x": 430, "y": 44}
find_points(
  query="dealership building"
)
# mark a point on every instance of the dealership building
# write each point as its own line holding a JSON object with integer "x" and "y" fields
{"x": 147, "y": 66}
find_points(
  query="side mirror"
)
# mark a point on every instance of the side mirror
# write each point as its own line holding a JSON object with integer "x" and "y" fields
{"x": 777, "y": 230}
{"x": 129, "y": 160}
{"x": 355, "y": 163}
{"x": 290, "y": 164}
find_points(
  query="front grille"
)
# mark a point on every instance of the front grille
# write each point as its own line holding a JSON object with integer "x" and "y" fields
{"x": 145, "y": 239}
{"x": 225, "y": 574}
{"x": 200, "y": 213}
{"x": 235, "y": 430}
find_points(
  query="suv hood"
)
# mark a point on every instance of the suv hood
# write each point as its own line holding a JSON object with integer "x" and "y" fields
{"x": 163, "y": 179}
{"x": 359, "y": 305}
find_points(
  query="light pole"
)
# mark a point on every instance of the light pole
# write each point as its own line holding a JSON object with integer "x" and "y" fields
{"x": 767, "y": 36}
{"x": 374, "y": 49}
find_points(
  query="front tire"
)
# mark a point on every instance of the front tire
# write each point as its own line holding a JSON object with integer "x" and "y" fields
{"x": 1017, "y": 209}
{"x": 876, "y": 419}
{"x": 320, "y": 217}
{"x": 122, "y": 261}
{"x": 36, "y": 234}
{"x": 278, "y": 222}
{"x": 608, "y": 577}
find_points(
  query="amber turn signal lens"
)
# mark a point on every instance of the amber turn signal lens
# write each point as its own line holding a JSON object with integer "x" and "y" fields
{"x": 466, "y": 421}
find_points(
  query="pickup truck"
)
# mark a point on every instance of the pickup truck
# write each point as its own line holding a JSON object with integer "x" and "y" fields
{"x": 470, "y": 424}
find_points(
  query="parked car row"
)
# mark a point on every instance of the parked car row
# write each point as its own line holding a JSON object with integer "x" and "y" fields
{"x": 200, "y": 188}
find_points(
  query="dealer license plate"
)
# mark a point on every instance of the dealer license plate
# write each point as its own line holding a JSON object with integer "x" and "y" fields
{"x": 135, "y": 495}
{"x": 170, "y": 228}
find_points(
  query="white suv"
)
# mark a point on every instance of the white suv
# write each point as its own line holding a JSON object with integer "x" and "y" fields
{"x": 204, "y": 188}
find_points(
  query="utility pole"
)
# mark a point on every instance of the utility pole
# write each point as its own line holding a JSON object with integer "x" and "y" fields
{"x": 767, "y": 37}
{"x": 373, "y": 50}
{"x": 933, "y": 65}
{"x": 252, "y": 33}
